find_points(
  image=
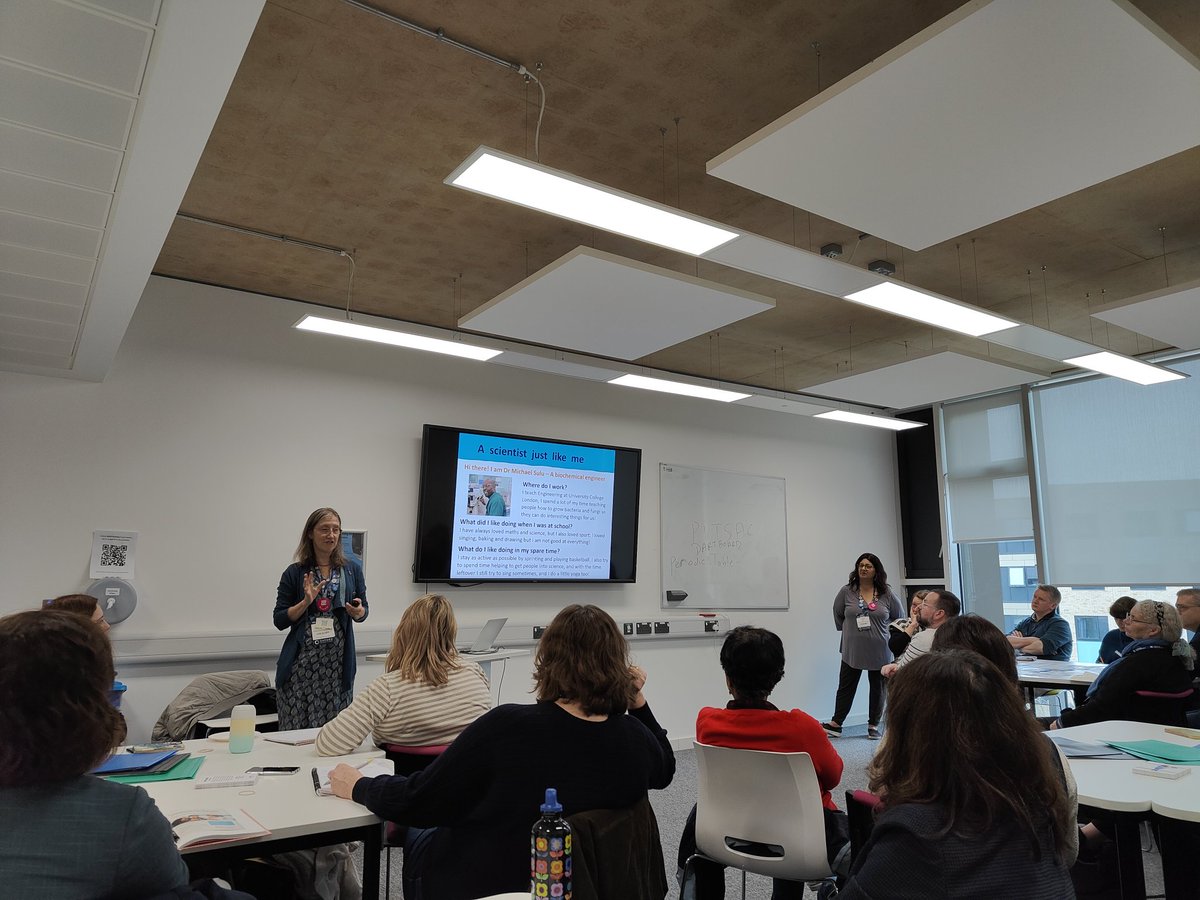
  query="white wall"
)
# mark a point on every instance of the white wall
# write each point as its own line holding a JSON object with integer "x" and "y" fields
{"x": 220, "y": 428}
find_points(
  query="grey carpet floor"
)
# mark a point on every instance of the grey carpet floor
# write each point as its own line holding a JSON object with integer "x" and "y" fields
{"x": 671, "y": 807}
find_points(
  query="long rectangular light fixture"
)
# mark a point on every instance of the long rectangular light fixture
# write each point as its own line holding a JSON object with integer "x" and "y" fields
{"x": 912, "y": 304}
{"x": 341, "y": 328}
{"x": 1123, "y": 367}
{"x": 507, "y": 177}
{"x": 678, "y": 387}
{"x": 841, "y": 415}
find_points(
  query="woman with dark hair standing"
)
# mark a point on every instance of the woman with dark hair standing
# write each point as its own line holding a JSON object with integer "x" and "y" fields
{"x": 862, "y": 611}
{"x": 319, "y": 598}
{"x": 66, "y": 833}
{"x": 974, "y": 802}
{"x": 590, "y": 735}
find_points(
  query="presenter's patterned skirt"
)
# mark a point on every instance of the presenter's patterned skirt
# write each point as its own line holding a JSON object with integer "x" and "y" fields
{"x": 312, "y": 694}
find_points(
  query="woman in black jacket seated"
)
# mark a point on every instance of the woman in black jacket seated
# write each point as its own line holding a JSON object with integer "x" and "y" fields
{"x": 1158, "y": 660}
{"x": 470, "y": 812}
{"x": 973, "y": 797}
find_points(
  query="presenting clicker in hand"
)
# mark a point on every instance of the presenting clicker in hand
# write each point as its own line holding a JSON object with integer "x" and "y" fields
{"x": 321, "y": 595}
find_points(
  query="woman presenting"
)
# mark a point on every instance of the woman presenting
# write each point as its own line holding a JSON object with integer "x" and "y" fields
{"x": 861, "y": 612}
{"x": 320, "y": 595}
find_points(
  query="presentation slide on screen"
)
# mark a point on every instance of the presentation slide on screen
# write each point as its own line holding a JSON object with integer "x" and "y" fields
{"x": 531, "y": 509}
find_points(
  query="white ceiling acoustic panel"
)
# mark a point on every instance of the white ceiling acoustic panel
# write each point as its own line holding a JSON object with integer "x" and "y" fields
{"x": 47, "y": 234}
{"x": 144, "y": 11}
{"x": 76, "y": 177}
{"x": 58, "y": 158}
{"x": 599, "y": 303}
{"x": 81, "y": 43}
{"x": 926, "y": 379}
{"x": 1171, "y": 315}
{"x": 38, "y": 310}
{"x": 65, "y": 107}
{"x": 54, "y": 200}
{"x": 999, "y": 107}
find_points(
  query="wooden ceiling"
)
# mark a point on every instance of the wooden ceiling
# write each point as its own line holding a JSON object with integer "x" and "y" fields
{"x": 341, "y": 125}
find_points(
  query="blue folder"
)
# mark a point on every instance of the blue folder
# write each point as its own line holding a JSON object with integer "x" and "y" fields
{"x": 131, "y": 762}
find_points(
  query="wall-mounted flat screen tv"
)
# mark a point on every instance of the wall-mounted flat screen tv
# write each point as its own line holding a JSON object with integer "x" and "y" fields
{"x": 504, "y": 507}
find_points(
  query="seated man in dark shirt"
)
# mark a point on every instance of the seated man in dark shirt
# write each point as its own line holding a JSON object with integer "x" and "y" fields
{"x": 1045, "y": 634}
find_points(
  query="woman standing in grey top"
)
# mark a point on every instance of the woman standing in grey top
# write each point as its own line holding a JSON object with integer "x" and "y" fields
{"x": 862, "y": 611}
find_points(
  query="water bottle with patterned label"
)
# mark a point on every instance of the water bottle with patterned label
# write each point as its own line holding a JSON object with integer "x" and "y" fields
{"x": 550, "y": 853}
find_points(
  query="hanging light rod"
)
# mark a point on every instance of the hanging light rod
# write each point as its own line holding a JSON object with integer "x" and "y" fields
{"x": 534, "y": 186}
{"x": 340, "y": 328}
{"x": 436, "y": 33}
{"x": 269, "y": 235}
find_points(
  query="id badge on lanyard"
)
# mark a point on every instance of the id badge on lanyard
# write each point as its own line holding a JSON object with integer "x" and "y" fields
{"x": 322, "y": 629}
{"x": 863, "y": 620}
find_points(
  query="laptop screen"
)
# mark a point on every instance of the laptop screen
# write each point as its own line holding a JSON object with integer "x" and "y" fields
{"x": 487, "y": 637}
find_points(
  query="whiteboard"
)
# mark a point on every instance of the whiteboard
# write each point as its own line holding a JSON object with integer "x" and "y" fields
{"x": 724, "y": 539}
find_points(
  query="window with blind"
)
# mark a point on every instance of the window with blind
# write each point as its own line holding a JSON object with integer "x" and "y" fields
{"x": 1119, "y": 468}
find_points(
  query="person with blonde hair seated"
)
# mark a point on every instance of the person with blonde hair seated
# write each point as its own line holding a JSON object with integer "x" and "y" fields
{"x": 427, "y": 695}
{"x": 67, "y": 833}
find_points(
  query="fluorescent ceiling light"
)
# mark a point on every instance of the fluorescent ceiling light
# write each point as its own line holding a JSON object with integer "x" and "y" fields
{"x": 535, "y": 186}
{"x": 678, "y": 387}
{"x": 842, "y": 415}
{"x": 912, "y": 304}
{"x": 395, "y": 338}
{"x": 1123, "y": 367}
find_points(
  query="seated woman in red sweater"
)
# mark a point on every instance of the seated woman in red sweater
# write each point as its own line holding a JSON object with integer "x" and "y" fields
{"x": 753, "y": 662}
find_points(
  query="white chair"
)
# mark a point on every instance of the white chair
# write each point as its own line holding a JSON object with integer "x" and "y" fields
{"x": 760, "y": 812}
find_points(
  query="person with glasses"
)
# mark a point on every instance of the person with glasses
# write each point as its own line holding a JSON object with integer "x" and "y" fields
{"x": 1117, "y": 640}
{"x": 319, "y": 598}
{"x": 1187, "y": 604}
{"x": 862, "y": 611}
{"x": 937, "y": 608}
{"x": 1158, "y": 659}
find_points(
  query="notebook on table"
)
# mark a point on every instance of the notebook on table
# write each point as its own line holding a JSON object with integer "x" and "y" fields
{"x": 485, "y": 643}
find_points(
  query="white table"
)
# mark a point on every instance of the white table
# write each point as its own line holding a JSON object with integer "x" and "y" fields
{"x": 485, "y": 661}
{"x": 1052, "y": 673}
{"x": 286, "y": 805}
{"x": 1110, "y": 784}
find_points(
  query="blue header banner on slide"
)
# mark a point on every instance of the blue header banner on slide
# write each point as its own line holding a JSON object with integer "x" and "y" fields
{"x": 489, "y": 448}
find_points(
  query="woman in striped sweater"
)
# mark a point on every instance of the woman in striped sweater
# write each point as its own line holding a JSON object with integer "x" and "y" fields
{"x": 427, "y": 694}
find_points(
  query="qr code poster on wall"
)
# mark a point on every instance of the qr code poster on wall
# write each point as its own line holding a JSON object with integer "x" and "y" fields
{"x": 113, "y": 554}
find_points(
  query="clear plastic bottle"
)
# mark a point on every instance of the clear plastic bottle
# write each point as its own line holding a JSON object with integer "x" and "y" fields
{"x": 550, "y": 853}
{"x": 241, "y": 729}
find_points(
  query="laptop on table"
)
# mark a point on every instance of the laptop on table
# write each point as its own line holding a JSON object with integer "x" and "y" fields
{"x": 487, "y": 637}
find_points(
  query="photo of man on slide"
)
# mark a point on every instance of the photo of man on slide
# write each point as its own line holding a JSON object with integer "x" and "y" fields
{"x": 489, "y": 501}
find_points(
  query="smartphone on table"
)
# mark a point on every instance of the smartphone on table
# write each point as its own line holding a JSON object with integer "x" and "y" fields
{"x": 274, "y": 770}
